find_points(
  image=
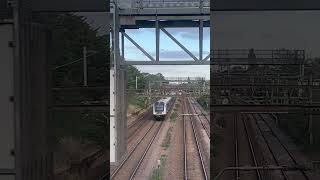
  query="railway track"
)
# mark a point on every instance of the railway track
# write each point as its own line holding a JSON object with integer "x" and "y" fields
{"x": 268, "y": 134}
{"x": 244, "y": 151}
{"x": 133, "y": 127}
{"x": 202, "y": 112}
{"x": 236, "y": 150}
{"x": 204, "y": 120}
{"x": 129, "y": 166}
{"x": 188, "y": 147}
{"x": 275, "y": 146}
{"x": 252, "y": 150}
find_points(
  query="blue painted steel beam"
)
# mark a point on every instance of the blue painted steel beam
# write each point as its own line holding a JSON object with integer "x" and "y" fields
{"x": 165, "y": 24}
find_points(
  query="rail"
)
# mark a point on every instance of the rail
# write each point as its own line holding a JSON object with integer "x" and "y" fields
{"x": 205, "y": 174}
{"x": 251, "y": 148}
{"x": 128, "y": 156}
{"x": 267, "y": 168}
{"x": 284, "y": 147}
{"x": 207, "y": 130}
{"x": 185, "y": 169}
{"x": 237, "y": 174}
{"x": 145, "y": 152}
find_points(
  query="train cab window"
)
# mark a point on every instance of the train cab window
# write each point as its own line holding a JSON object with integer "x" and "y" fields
{"x": 159, "y": 106}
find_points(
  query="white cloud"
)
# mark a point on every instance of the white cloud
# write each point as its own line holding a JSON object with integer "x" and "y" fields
{"x": 178, "y": 70}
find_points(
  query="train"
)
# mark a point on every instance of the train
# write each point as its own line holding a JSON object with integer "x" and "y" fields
{"x": 162, "y": 107}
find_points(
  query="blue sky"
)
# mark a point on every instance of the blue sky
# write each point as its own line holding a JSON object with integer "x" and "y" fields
{"x": 189, "y": 37}
{"x": 263, "y": 30}
{"x": 169, "y": 50}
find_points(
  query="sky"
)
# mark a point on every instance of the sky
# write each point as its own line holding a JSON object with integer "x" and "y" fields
{"x": 145, "y": 37}
{"x": 189, "y": 37}
{"x": 259, "y": 30}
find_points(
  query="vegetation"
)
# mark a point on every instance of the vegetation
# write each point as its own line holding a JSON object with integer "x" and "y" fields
{"x": 204, "y": 101}
{"x": 177, "y": 105}
{"x": 158, "y": 173}
{"x": 173, "y": 116}
{"x": 138, "y": 101}
{"x": 167, "y": 140}
{"x": 143, "y": 78}
{"x": 69, "y": 34}
{"x": 143, "y": 83}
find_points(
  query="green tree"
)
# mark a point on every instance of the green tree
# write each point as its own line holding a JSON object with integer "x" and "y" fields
{"x": 143, "y": 78}
{"x": 69, "y": 34}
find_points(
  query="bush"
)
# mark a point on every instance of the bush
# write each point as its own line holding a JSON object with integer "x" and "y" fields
{"x": 204, "y": 102}
{"x": 157, "y": 174}
{"x": 167, "y": 140}
{"x": 174, "y": 116}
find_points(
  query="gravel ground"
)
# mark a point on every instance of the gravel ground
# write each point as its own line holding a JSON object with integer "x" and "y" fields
{"x": 175, "y": 162}
{"x": 193, "y": 160}
{"x": 155, "y": 152}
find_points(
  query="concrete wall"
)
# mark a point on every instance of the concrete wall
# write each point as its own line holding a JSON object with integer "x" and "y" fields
{"x": 7, "y": 137}
{"x": 118, "y": 114}
{"x": 112, "y": 118}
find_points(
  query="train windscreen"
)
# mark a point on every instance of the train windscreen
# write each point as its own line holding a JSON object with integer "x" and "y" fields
{"x": 159, "y": 106}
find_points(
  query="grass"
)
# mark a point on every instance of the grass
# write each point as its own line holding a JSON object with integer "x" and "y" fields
{"x": 173, "y": 116}
{"x": 158, "y": 173}
{"x": 167, "y": 140}
{"x": 204, "y": 102}
{"x": 141, "y": 102}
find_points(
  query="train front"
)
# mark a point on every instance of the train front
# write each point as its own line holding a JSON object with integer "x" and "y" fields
{"x": 159, "y": 110}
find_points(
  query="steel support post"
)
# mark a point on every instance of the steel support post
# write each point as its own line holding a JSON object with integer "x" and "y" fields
{"x": 118, "y": 121}
{"x": 85, "y": 73}
{"x": 157, "y": 40}
{"x": 310, "y": 119}
{"x": 121, "y": 108}
{"x": 200, "y": 39}
{"x": 122, "y": 43}
{"x": 112, "y": 117}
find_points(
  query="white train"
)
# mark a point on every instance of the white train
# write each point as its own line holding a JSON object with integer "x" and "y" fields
{"x": 162, "y": 107}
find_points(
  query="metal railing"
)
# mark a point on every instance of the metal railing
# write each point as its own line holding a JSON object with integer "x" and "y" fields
{"x": 185, "y": 78}
{"x": 258, "y": 54}
{"x": 170, "y": 3}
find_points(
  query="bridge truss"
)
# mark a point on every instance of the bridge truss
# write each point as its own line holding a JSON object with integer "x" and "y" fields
{"x": 160, "y": 15}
